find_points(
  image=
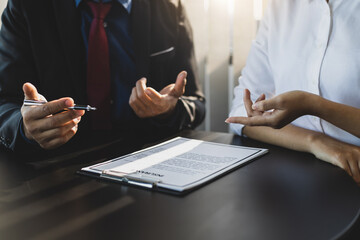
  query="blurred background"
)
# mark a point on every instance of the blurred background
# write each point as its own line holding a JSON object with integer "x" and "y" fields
{"x": 223, "y": 32}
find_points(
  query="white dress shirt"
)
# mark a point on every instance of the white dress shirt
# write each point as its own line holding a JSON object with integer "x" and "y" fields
{"x": 307, "y": 45}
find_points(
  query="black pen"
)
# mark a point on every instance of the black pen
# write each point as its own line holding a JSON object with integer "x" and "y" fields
{"x": 75, "y": 107}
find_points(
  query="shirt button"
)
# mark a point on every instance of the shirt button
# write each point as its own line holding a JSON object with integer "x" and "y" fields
{"x": 111, "y": 102}
{"x": 105, "y": 24}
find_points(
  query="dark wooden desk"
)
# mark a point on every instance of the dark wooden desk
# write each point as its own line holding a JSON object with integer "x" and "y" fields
{"x": 282, "y": 195}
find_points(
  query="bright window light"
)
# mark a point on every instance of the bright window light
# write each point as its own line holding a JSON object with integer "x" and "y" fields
{"x": 258, "y": 9}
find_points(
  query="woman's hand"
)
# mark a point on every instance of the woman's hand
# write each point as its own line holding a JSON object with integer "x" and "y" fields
{"x": 276, "y": 112}
{"x": 281, "y": 110}
{"x": 343, "y": 155}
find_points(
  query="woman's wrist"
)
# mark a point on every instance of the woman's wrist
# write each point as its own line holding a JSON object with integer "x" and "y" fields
{"x": 314, "y": 104}
{"x": 312, "y": 142}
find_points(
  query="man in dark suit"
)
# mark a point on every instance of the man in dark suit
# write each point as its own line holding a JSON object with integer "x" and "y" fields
{"x": 132, "y": 59}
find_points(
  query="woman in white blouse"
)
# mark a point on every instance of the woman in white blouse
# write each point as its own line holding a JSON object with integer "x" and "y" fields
{"x": 306, "y": 61}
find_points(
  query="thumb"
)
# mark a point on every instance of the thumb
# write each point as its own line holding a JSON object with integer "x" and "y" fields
{"x": 265, "y": 105}
{"x": 30, "y": 92}
{"x": 180, "y": 84}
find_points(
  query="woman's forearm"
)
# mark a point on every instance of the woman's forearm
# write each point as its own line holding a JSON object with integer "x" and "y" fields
{"x": 340, "y": 115}
{"x": 290, "y": 136}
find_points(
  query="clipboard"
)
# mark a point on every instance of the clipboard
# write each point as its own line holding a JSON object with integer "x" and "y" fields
{"x": 176, "y": 166}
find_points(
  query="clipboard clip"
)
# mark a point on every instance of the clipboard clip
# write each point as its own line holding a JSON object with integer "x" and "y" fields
{"x": 133, "y": 180}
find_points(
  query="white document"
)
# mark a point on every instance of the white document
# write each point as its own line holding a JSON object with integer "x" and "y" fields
{"x": 178, "y": 164}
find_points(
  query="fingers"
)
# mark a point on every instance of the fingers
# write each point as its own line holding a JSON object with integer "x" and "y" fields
{"x": 50, "y": 108}
{"x": 240, "y": 120}
{"x": 350, "y": 163}
{"x": 147, "y": 102}
{"x": 344, "y": 165}
{"x": 260, "y": 98}
{"x": 180, "y": 84}
{"x": 270, "y": 119}
{"x": 148, "y": 96}
{"x": 154, "y": 95}
{"x": 134, "y": 101}
{"x": 249, "y": 121}
{"x": 140, "y": 91}
{"x": 247, "y": 102}
{"x": 265, "y": 105}
{"x": 58, "y": 132}
{"x": 36, "y": 128}
{"x": 30, "y": 92}
{"x": 56, "y": 137}
{"x": 355, "y": 171}
{"x": 59, "y": 120}
{"x": 53, "y": 136}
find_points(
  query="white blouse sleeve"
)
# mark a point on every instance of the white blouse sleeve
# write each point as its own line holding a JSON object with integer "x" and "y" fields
{"x": 256, "y": 76}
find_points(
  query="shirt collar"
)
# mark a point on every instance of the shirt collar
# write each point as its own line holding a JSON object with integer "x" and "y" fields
{"x": 126, "y": 3}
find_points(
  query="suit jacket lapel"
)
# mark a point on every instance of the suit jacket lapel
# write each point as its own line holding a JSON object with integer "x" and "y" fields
{"x": 140, "y": 26}
{"x": 69, "y": 26}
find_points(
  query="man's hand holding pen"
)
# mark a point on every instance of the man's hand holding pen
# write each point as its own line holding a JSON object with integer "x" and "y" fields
{"x": 48, "y": 124}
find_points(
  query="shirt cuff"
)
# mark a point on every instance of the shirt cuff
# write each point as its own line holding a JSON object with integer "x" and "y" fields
{"x": 32, "y": 142}
{"x": 171, "y": 121}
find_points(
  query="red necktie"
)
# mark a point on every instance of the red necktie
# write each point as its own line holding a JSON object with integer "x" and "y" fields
{"x": 98, "y": 68}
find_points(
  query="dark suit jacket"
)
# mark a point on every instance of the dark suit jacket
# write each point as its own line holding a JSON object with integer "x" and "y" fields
{"x": 41, "y": 43}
